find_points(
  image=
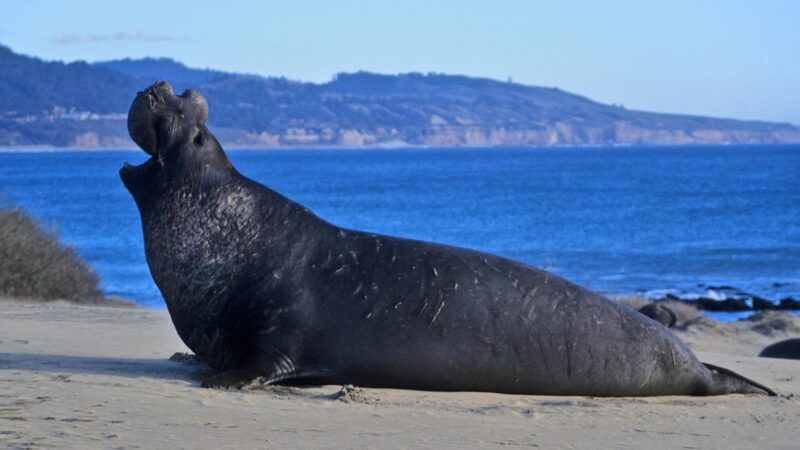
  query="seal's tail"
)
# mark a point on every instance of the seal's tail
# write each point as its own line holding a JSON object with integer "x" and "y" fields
{"x": 725, "y": 381}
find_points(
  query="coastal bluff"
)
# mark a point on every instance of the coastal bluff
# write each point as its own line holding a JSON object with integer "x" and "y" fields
{"x": 82, "y": 105}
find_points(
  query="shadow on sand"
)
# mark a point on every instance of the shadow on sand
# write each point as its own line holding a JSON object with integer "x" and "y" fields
{"x": 97, "y": 365}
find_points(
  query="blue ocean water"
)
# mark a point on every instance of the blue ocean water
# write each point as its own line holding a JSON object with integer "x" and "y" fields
{"x": 621, "y": 220}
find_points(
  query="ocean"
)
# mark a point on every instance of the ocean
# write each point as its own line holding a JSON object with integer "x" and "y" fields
{"x": 711, "y": 221}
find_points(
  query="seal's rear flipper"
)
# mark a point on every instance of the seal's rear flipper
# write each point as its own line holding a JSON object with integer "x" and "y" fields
{"x": 729, "y": 382}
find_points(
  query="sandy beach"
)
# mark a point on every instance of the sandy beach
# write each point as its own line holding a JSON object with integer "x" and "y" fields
{"x": 99, "y": 377}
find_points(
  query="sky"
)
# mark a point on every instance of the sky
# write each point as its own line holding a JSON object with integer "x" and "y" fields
{"x": 737, "y": 59}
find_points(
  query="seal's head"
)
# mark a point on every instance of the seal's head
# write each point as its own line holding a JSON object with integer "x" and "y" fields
{"x": 171, "y": 128}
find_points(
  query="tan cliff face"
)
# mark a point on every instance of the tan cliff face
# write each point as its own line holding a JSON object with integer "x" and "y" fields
{"x": 351, "y": 111}
{"x": 455, "y": 135}
{"x": 452, "y": 134}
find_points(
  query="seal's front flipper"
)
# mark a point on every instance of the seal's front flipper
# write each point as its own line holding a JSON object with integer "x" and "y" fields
{"x": 231, "y": 379}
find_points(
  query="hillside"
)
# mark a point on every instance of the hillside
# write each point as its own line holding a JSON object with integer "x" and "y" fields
{"x": 84, "y": 105}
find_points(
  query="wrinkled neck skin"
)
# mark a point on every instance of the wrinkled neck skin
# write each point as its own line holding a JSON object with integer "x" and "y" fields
{"x": 178, "y": 168}
{"x": 202, "y": 221}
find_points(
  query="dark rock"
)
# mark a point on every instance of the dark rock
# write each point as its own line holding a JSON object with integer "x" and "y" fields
{"x": 788, "y": 349}
{"x": 789, "y": 303}
{"x": 721, "y": 288}
{"x": 761, "y": 304}
{"x": 729, "y": 304}
{"x": 186, "y": 358}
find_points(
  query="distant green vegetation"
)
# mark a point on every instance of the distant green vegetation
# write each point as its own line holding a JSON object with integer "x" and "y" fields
{"x": 84, "y": 105}
{"x": 34, "y": 264}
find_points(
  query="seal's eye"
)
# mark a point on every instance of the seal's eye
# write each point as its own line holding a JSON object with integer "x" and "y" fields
{"x": 199, "y": 139}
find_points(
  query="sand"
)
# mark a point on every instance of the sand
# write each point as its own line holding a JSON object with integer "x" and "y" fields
{"x": 98, "y": 377}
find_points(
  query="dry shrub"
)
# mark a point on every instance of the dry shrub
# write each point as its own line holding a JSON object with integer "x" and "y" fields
{"x": 35, "y": 264}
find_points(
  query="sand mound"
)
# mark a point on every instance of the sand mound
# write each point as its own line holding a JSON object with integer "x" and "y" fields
{"x": 746, "y": 337}
{"x": 771, "y": 323}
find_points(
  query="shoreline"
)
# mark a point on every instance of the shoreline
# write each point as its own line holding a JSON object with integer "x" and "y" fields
{"x": 133, "y": 147}
{"x": 87, "y": 376}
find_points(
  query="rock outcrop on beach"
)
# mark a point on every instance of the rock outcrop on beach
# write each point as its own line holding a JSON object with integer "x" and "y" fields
{"x": 83, "y": 105}
{"x": 681, "y": 314}
{"x": 738, "y": 304}
{"x": 785, "y": 349}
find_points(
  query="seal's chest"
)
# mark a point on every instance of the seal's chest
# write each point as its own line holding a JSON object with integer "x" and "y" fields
{"x": 199, "y": 235}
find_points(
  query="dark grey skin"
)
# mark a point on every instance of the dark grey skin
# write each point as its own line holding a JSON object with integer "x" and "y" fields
{"x": 786, "y": 349}
{"x": 258, "y": 286}
{"x": 660, "y": 314}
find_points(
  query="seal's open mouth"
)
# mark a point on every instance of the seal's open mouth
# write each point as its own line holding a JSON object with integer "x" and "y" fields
{"x": 159, "y": 120}
{"x": 131, "y": 170}
{"x": 144, "y": 111}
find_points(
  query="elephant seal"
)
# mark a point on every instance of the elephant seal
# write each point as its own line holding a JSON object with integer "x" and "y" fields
{"x": 659, "y": 313}
{"x": 786, "y": 349}
{"x": 258, "y": 286}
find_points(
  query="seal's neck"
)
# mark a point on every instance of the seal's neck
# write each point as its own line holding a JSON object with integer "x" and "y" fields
{"x": 209, "y": 239}
{"x": 196, "y": 236}
{"x": 195, "y": 229}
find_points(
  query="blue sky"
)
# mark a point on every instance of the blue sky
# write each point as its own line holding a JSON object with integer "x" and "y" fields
{"x": 736, "y": 59}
